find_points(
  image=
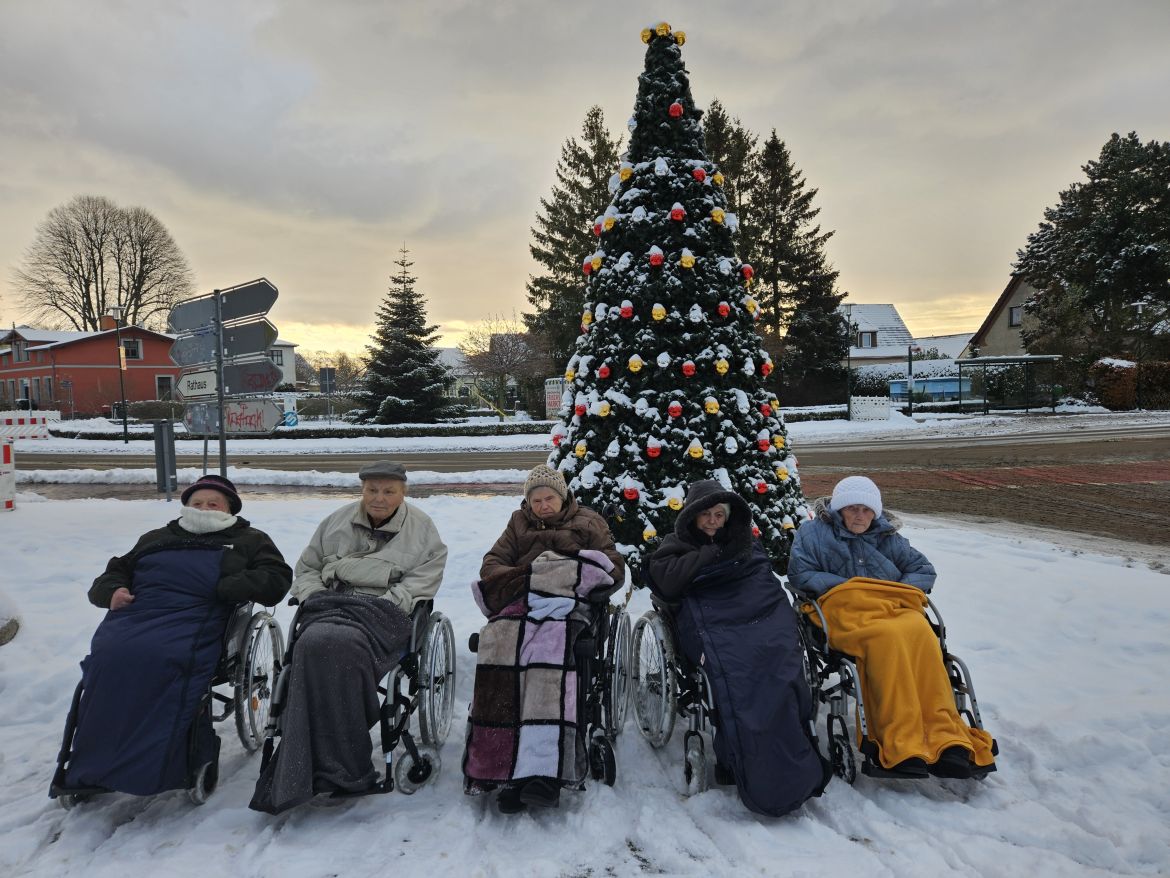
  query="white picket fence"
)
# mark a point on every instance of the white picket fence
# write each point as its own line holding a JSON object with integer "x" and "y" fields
{"x": 869, "y": 408}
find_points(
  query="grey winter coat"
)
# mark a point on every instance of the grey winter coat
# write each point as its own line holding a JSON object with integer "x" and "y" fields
{"x": 825, "y": 554}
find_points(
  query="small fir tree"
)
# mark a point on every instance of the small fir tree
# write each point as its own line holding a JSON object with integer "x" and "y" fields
{"x": 404, "y": 379}
{"x": 666, "y": 385}
{"x": 563, "y": 231}
{"x": 797, "y": 286}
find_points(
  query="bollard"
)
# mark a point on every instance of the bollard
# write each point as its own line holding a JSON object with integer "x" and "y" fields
{"x": 7, "y": 475}
{"x": 164, "y": 458}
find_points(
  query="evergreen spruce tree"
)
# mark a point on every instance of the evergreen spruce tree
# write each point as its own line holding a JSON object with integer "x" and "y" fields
{"x": 666, "y": 385}
{"x": 1104, "y": 248}
{"x": 731, "y": 147}
{"x": 563, "y": 231}
{"x": 797, "y": 286}
{"x": 404, "y": 378}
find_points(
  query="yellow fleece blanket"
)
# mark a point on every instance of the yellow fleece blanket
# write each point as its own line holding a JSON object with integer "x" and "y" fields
{"x": 909, "y": 704}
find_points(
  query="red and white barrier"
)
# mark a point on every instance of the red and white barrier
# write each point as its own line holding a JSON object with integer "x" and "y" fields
{"x": 23, "y": 425}
{"x": 7, "y": 475}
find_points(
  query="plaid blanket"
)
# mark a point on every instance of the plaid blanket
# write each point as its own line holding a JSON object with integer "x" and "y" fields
{"x": 523, "y": 715}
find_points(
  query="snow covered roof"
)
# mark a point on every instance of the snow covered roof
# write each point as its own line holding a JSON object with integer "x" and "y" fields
{"x": 453, "y": 359}
{"x": 48, "y": 336}
{"x": 884, "y": 320}
{"x": 948, "y": 345}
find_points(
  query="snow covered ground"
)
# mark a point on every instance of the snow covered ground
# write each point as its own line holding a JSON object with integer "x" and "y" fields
{"x": 803, "y": 434}
{"x": 1068, "y": 651}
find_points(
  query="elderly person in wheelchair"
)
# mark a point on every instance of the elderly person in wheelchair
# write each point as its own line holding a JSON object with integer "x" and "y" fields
{"x": 870, "y": 586}
{"x": 733, "y": 620}
{"x": 366, "y": 567}
{"x": 141, "y": 720}
{"x": 524, "y": 734}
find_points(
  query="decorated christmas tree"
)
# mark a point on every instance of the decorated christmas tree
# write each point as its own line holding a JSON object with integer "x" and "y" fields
{"x": 667, "y": 382}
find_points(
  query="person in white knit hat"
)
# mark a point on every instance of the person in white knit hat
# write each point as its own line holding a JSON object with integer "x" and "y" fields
{"x": 869, "y": 582}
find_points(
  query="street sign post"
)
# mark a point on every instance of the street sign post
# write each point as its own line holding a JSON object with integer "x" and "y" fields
{"x": 251, "y": 377}
{"x": 240, "y": 417}
{"x": 196, "y": 385}
{"x": 235, "y": 303}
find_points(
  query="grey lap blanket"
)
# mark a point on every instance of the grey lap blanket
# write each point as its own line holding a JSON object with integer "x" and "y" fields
{"x": 346, "y": 644}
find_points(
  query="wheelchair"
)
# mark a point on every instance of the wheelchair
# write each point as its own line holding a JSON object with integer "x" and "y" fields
{"x": 241, "y": 686}
{"x": 667, "y": 685}
{"x": 833, "y": 679}
{"x": 601, "y": 653}
{"x": 422, "y": 683}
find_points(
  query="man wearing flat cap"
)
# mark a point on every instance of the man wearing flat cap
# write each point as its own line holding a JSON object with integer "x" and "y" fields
{"x": 362, "y": 573}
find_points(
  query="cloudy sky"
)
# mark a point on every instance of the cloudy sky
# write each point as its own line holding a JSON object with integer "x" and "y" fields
{"x": 306, "y": 142}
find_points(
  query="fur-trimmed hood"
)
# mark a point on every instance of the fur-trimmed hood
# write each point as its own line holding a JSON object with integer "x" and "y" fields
{"x": 705, "y": 494}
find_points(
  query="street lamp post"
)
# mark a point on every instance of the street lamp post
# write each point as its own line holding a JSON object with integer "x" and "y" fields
{"x": 850, "y": 335}
{"x": 116, "y": 313}
{"x": 1137, "y": 350}
{"x": 910, "y": 349}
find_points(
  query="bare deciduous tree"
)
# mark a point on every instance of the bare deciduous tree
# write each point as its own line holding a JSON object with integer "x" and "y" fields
{"x": 90, "y": 255}
{"x": 351, "y": 369}
{"x": 498, "y": 350}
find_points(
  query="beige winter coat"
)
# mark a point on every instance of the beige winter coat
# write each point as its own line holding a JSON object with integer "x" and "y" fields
{"x": 402, "y": 560}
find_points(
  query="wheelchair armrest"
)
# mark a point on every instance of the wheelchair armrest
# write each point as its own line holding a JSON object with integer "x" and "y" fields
{"x": 473, "y": 642}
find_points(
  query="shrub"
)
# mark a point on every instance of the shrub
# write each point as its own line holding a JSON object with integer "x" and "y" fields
{"x": 1115, "y": 383}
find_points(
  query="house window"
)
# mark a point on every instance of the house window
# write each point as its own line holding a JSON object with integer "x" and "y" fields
{"x": 1016, "y": 315}
{"x": 133, "y": 348}
{"x": 49, "y": 391}
{"x": 164, "y": 386}
{"x": 867, "y": 339}
{"x": 464, "y": 392}
{"x": 36, "y": 393}
{"x": 19, "y": 350}
{"x": 12, "y": 390}
{"x": 276, "y": 356}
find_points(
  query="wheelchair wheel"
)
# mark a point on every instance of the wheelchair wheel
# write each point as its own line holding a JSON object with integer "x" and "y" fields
{"x": 256, "y": 678}
{"x": 653, "y": 671}
{"x": 695, "y": 767}
{"x": 602, "y": 760}
{"x": 617, "y": 654}
{"x": 69, "y": 801}
{"x": 436, "y": 670}
{"x": 841, "y": 750}
{"x": 206, "y": 780}
{"x": 411, "y": 776}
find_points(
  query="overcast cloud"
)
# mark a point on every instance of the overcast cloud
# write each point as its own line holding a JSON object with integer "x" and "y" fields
{"x": 307, "y": 142}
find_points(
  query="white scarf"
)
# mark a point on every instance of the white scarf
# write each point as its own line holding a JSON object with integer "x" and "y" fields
{"x": 204, "y": 521}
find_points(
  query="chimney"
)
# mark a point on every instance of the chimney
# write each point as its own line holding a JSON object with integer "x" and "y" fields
{"x": 107, "y": 322}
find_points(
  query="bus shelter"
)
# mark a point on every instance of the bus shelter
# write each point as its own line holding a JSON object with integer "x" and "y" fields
{"x": 1026, "y": 381}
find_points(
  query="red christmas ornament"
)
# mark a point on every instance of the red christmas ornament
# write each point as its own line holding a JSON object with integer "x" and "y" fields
{"x": 724, "y": 309}
{"x": 587, "y": 266}
{"x": 584, "y": 328}
{"x": 755, "y": 531}
{"x": 556, "y": 439}
{"x": 766, "y": 410}
{"x": 699, "y": 174}
{"x": 761, "y": 487}
{"x": 676, "y": 110}
{"x": 627, "y": 311}
{"x": 580, "y": 410}
{"x": 603, "y": 371}
{"x": 674, "y": 409}
{"x": 597, "y": 228}
{"x": 677, "y": 213}
{"x": 763, "y": 444}
{"x": 653, "y": 450}
{"x": 748, "y": 272}
{"x": 688, "y": 368}
{"x": 630, "y": 493}
{"x": 766, "y": 368}
{"x": 655, "y": 259}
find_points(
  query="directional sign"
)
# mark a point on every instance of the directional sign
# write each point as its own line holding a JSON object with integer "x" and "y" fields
{"x": 255, "y": 376}
{"x": 195, "y": 385}
{"x": 242, "y": 300}
{"x": 190, "y": 350}
{"x": 244, "y": 339}
{"x": 241, "y": 416}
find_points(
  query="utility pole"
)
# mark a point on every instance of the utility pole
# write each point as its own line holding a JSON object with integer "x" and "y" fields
{"x": 116, "y": 313}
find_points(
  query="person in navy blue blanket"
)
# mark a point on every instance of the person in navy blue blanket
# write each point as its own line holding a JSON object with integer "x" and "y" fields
{"x": 734, "y": 621}
{"x": 140, "y": 725}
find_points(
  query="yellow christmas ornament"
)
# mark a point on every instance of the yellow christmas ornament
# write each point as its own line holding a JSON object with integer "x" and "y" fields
{"x": 687, "y": 260}
{"x": 635, "y": 363}
{"x": 788, "y": 525}
{"x": 663, "y": 29}
{"x": 680, "y": 37}
{"x": 570, "y": 374}
{"x": 710, "y": 406}
{"x": 649, "y": 533}
{"x": 717, "y": 214}
{"x": 579, "y": 449}
{"x": 675, "y": 503}
{"x": 625, "y": 173}
{"x": 696, "y": 450}
{"x": 721, "y": 366}
{"x": 658, "y": 312}
{"x": 751, "y": 304}
{"x": 587, "y": 318}
{"x": 603, "y": 410}
{"x": 717, "y": 179}
{"x": 596, "y": 263}
{"x": 775, "y": 405}
{"x": 778, "y": 441}
{"x": 782, "y": 473}
{"x": 607, "y": 224}
{"x": 646, "y": 34}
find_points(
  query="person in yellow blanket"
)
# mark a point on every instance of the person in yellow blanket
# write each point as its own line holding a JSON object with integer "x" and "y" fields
{"x": 871, "y": 585}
